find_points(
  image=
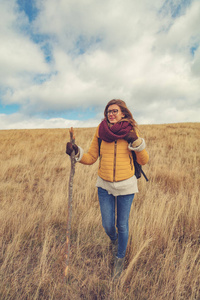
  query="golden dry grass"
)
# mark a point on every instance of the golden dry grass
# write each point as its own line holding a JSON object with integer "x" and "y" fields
{"x": 163, "y": 254}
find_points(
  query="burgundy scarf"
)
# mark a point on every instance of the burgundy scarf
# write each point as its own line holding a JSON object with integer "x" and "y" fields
{"x": 115, "y": 132}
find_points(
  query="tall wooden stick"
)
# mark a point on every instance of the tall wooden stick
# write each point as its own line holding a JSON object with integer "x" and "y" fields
{"x": 70, "y": 195}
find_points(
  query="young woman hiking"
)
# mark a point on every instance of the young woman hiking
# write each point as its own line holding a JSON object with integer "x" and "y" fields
{"x": 116, "y": 179}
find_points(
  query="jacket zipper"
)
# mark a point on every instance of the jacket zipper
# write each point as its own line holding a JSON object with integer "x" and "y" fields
{"x": 115, "y": 154}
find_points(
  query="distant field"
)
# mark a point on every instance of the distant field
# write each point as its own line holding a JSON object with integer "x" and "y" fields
{"x": 163, "y": 255}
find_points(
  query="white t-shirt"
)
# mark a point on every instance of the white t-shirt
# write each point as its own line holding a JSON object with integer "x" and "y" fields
{"x": 124, "y": 187}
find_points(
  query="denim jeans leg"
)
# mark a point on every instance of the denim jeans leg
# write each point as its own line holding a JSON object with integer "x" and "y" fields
{"x": 107, "y": 207}
{"x": 123, "y": 210}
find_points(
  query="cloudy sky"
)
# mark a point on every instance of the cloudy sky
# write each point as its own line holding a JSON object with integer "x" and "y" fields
{"x": 61, "y": 61}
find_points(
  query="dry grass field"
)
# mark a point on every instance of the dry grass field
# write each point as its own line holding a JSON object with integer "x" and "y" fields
{"x": 163, "y": 254}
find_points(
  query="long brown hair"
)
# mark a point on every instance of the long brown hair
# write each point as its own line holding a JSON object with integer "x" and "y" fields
{"x": 127, "y": 114}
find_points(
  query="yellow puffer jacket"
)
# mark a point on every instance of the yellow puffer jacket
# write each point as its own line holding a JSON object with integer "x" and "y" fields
{"x": 115, "y": 161}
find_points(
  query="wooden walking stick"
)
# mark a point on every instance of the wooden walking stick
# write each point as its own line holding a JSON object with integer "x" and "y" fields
{"x": 70, "y": 192}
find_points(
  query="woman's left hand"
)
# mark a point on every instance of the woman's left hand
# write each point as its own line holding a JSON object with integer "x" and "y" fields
{"x": 131, "y": 137}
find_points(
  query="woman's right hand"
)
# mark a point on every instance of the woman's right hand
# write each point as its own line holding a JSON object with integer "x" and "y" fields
{"x": 70, "y": 147}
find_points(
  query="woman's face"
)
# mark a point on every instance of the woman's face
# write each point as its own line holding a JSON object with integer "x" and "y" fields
{"x": 114, "y": 113}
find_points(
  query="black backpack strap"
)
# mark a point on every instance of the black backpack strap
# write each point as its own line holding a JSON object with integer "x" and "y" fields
{"x": 138, "y": 167}
{"x": 99, "y": 142}
{"x": 144, "y": 175}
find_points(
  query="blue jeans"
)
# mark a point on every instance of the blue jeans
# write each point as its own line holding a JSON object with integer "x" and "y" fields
{"x": 107, "y": 206}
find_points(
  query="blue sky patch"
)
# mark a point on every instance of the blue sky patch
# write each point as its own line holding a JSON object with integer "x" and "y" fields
{"x": 174, "y": 8}
{"x": 29, "y": 7}
{"x": 71, "y": 114}
{"x": 83, "y": 43}
{"x": 9, "y": 109}
{"x": 193, "y": 50}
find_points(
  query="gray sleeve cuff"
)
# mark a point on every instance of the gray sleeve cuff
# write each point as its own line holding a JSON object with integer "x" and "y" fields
{"x": 139, "y": 148}
{"x": 79, "y": 155}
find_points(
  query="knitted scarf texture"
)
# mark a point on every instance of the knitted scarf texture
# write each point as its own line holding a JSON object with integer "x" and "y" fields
{"x": 115, "y": 132}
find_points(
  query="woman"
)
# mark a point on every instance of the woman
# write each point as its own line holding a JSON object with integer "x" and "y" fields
{"x": 116, "y": 179}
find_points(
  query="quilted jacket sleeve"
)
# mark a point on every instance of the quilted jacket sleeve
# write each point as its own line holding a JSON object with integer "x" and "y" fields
{"x": 141, "y": 153}
{"x": 92, "y": 155}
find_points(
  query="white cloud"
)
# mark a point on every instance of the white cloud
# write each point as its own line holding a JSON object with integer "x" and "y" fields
{"x": 20, "y": 121}
{"x": 134, "y": 50}
{"x": 182, "y": 35}
{"x": 20, "y": 58}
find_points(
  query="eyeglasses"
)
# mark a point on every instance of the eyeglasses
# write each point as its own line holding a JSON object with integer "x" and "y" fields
{"x": 112, "y": 111}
